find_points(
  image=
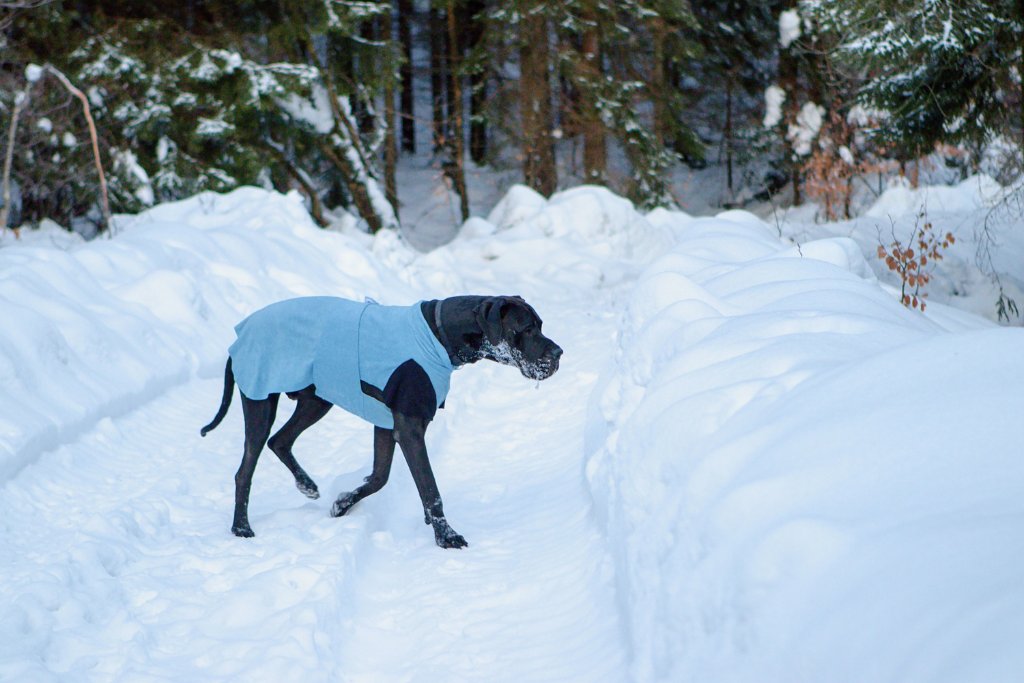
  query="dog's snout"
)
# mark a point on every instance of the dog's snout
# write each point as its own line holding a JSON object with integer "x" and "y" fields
{"x": 556, "y": 352}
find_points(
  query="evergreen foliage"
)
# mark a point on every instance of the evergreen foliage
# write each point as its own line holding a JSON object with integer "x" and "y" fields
{"x": 223, "y": 95}
{"x": 619, "y": 87}
{"x": 941, "y": 70}
{"x": 738, "y": 41}
{"x": 301, "y": 94}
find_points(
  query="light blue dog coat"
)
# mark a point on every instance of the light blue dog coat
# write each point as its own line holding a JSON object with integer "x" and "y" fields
{"x": 336, "y": 344}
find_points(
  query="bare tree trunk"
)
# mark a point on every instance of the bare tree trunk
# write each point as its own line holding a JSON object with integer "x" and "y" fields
{"x": 788, "y": 79}
{"x": 356, "y": 189}
{"x": 437, "y": 62}
{"x": 474, "y": 19}
{"x": 728, "y": 132}
{"x": 87, "y": 110}
{"x": 535, "y": 104}
{"x": 458, "y": 171}
{"x": 19, "y": 104}
{"x": 344, "y": 149}
{"x": 405, "y": 10}
{"x": 390, "y": 136}
{"x": 659, "y": 85}
{"x": 316, "y": 205}
{"x": 595, "y": 154}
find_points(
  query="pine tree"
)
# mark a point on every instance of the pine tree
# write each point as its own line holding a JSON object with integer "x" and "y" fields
{"x": 739, "y": 43}
{"x": 941, "y": 70}
{"x": 456, "y": 154}
{"x": 803, "y": 93}
{"x": 438, "y": 31}
{"x": 211, "y": 96}
{"x": 641, "y": 44}
{"x": 583, "y": 75}
{"x": 404, "y": 10}
{"x": 521, "y": 30}
{"x": 473, "y": 19}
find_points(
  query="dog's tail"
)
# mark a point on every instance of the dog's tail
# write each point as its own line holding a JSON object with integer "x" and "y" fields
{"x": 225, "y": 403}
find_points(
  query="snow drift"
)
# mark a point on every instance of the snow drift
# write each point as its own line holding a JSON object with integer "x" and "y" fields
{"x": 985, "y": 218}
{"x": 93, "y": 329}
{"x": 117, "y": 562}
{"x": 753, "y": 465}
{"x": 804, "y": 481}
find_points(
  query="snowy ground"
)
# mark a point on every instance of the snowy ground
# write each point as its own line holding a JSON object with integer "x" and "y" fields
{"x": 754, "y": 464}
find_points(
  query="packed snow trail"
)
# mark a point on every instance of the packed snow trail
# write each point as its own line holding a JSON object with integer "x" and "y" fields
{"x": 125, "y": 569}
{"x": 753, "y": 465}
{"x": 531, "y": 599}
{"x": 118, "y": 563}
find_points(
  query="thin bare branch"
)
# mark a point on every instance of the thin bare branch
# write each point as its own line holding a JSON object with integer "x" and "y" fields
{"x": 19, "y": 104}
{"x": 86, "y": 109}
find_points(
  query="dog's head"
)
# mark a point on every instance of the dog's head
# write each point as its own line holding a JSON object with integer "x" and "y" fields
{"x": 512, "y": 336}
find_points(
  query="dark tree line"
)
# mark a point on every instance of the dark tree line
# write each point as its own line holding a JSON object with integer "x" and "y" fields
{"x": 320, "y": 95}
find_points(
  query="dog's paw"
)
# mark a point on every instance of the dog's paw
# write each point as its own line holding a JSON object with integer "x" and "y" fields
{"x": 307, "y": 486}
{"x": 242, "y": 531}
{"x": 342, "y": 505}
{"x": 453, "y": 540}
{"x": 445, "y": 536}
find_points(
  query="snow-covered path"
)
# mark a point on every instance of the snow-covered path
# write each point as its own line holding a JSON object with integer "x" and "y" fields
{"x": 118, "y": 562}
{"x": 139, "y": 577}
{"x": 754, "y": 464}
{"x": 531, "y": 600}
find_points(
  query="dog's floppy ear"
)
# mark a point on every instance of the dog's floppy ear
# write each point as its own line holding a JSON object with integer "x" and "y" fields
{"x": 522, "y": 302}
{"x": 488, "y": 316}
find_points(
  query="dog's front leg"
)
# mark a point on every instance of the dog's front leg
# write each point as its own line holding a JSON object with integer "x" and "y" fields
{"x": 409, "y": 433}
{"x": 383, "y": 452}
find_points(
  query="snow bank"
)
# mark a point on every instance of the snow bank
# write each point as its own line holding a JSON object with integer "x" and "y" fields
{"x": 117, "y": 560}
{"x": 798, "y": 478}
{"x": 93, "y": 329}
{"x": 804, "y": 481}
{"x": 589, "y": 215}
{"x": 984, "y": 217}
{"x": 975, "y": 195}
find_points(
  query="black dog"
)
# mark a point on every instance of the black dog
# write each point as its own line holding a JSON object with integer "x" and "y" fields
{"x": 467, "y": 328}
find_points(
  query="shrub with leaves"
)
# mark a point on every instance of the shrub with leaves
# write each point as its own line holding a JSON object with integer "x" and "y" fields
{"x": 844, "y": 153}
{"x": 915, "y": 266}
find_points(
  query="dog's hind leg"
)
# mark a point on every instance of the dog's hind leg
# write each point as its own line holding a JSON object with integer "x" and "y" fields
{"x": 259, "y": 419}
{"x": 308, "y": 411}
{"x": 383, "y": 452}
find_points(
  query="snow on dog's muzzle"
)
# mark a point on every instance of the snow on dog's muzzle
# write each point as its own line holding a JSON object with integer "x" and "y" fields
{"x": 538, "y": 369}
{"x": 546, "y": 366}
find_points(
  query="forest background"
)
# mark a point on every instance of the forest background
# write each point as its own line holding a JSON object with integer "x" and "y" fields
{"x": 788, "y": 101}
